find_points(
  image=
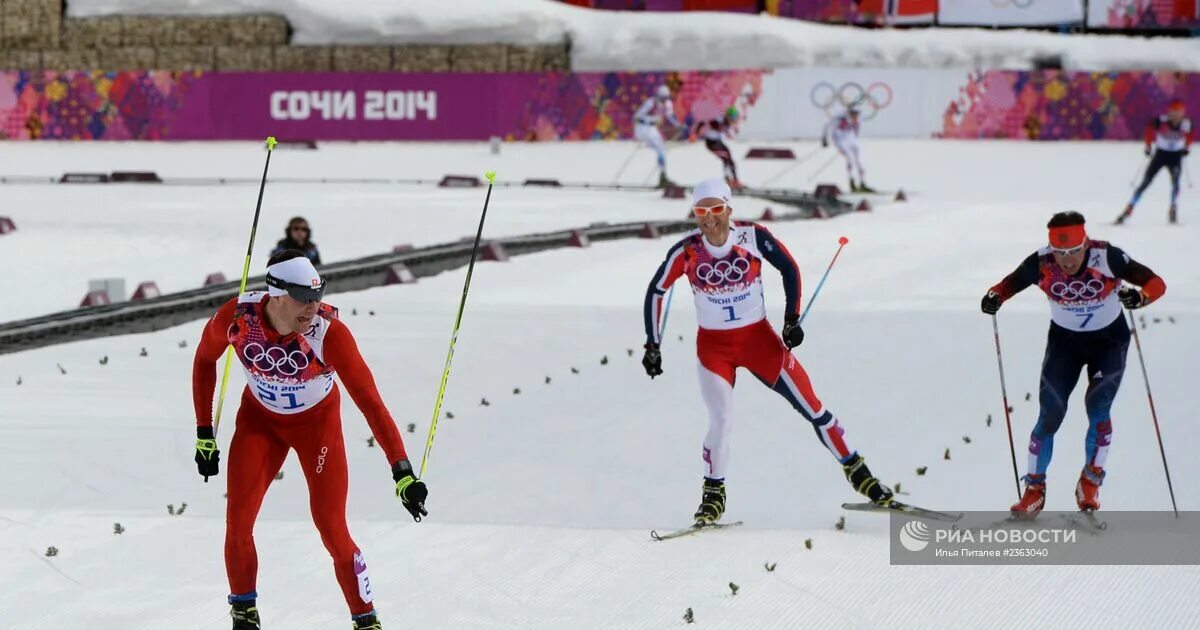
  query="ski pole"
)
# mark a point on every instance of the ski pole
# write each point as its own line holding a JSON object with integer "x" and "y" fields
{"x": 841, "y": 243}
{"x": 662, "y": 327}
{"x": 462, "y": 305}
{"x": 621, "y": 171}
{"x": 1153, "y": 414}
{"x": 1138, "y": 173}
{"x": 788, "y": 169}
{"x": 242, "y": 288}
{"x": 1012, "y": 450}
{"x": 1186, "y": 173}
{"x": 824, "y": 166}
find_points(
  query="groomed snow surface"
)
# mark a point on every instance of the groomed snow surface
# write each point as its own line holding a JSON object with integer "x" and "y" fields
{"x": 541, "y": 502}
{"x": 606, "y": 40}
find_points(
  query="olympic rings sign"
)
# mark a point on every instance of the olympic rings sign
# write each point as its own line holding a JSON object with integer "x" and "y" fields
{"x": 873, "y": 98}
{"x": 716, "y": 274}
{"x": 1077, "y": 289}
{"x": 275, "y": 358}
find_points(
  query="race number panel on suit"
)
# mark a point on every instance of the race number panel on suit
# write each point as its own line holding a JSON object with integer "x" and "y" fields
{"x": 726, "y": 281}
{"x": 288, "y": 376}
{"x": 1087, "y": 300}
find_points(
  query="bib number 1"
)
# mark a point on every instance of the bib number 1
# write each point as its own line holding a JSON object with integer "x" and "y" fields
{"x": 732, "y": 315}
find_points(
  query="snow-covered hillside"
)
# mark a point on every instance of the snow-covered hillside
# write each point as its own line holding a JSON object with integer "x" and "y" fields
{"x": 604, "y": 40}
{"x": 542, "y": 501}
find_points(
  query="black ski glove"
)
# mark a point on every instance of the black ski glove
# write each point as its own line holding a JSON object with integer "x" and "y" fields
{"x": 1148, "y": 150}
{"x": 793, "y": 334}
{"x": 208, "y": 456}
{"x": 1186, "y": 152}
{"x": 1131, "y": 298}
{"x": 412, "y": 491}
{"x": 824, "y": 143}
{"x": 652, "y": 360}
{"x": 990, "y": 303}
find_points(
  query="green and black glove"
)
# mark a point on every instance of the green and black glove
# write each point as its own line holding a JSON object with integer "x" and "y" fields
{"x": 412, "y": 491}
{"x": 208, "y": 456}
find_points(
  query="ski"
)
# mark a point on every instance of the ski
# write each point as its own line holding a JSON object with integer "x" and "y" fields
{"x": 688, "y": 531}
{"x": 1087, "y": 518}
{"x": 911, "y": 510}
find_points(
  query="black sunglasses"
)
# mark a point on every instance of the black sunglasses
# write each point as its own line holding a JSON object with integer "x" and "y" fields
{"x": 299, "y": 292}
{"x": 299, "y": 228}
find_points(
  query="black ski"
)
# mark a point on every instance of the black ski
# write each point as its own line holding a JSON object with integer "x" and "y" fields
{"x": 688, "y": 531}
{"x": 911, "y": 510}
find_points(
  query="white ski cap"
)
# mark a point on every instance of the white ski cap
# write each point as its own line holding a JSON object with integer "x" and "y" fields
{"x": 298, "y": 270}
{"x": 663, "y": 91}
{"x": 715, "y": 188}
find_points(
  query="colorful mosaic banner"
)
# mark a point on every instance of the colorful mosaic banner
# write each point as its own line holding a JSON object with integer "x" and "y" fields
{"x": 350, "y": 106}
{"x": 1144, "y": 14}
{"x": 1050, "y": 105}
{"x": 1056, "y": 105}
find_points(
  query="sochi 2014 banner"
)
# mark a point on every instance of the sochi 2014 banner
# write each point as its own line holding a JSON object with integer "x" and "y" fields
{"x": 892, "y": 102}
{"x": 1010, "y": 12}
{"x": 771, "y": 105}
{"x": 354, "y": 106}
{"x": 1144, "y": 14}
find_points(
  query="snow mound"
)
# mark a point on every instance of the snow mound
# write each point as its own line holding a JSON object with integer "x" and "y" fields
{"x": 605, "y": 40}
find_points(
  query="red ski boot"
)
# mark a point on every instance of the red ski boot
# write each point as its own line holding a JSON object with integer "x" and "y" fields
{"x": 1087, "y": 491}
{"x": 1033, "y": 500}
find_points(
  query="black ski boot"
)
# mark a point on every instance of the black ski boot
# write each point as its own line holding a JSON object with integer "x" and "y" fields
{"x": 367, "y": 622}
{"x": 854, "y": 186}
{"x": 245, "y": 616}
{"x": 1173, "y": 215}
{"x": 1128, "y": 212}
{"x": 865, "y": 483}
{"x": 864, "y": 188}
{"x": 712, "y": 504}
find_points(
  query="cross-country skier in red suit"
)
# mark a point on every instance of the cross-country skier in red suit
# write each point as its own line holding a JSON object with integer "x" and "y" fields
{"x": 722, "y": 260}
{"x": 290, "y": 345}
{"x": 1082, "y": 278}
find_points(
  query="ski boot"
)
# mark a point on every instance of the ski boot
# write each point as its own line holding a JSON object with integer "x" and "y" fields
{"x": 864, "y": 188}
{"x": 712, "y": 504}
{"x": 854, "y": 186}
{"x": 865, "y": 483}
{"x": 1033, "y": 500}
{"x": 245, "y": 616}
{"x": 1172, "y": 215}
{"x": 663, "y": 182}
{"x": 367, "y": 622}
{"x": 1087, "y": 491}
{"x": 1128, "y": 212}
{"x": 735, "y": 184}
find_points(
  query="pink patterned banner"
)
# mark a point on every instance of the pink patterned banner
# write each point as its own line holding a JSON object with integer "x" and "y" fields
{"x": 349, "y": 106}
{"x": 1056, "y": 105}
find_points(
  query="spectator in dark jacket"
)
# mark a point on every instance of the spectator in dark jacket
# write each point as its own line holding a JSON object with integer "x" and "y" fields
{"x": 297, "y": 235}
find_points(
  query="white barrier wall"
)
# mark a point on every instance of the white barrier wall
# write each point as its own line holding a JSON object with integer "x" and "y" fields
{"x": 894, "y": 103}
{"x": 1010, "y": 12}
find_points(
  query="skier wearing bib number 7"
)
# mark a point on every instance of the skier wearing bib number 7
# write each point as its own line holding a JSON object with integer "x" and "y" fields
{"x": 290, "y": 345}
{"x": 722, "y": 260}
{"x": 1082, "y": 279}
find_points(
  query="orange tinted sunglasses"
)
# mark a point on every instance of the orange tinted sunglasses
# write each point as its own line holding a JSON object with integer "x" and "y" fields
{"x": 703, "y": 211}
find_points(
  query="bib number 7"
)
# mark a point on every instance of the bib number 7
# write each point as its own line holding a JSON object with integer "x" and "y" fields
{"x": 1087, "y": 317}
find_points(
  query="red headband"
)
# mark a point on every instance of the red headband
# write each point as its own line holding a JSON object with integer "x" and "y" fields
{"x": 1067, "y": 236}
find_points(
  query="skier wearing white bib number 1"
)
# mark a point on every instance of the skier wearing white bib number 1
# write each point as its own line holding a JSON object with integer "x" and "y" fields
{"x": 722, "y": 260}
{"x": 1082, "y": 278}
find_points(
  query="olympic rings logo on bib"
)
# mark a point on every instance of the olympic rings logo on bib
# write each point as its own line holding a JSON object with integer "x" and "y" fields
{"x": 275, "y": 358}
{"x": 875, "y": 97}
{"x": 723, "y": 271}
{"x": 1077, "y": 289}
